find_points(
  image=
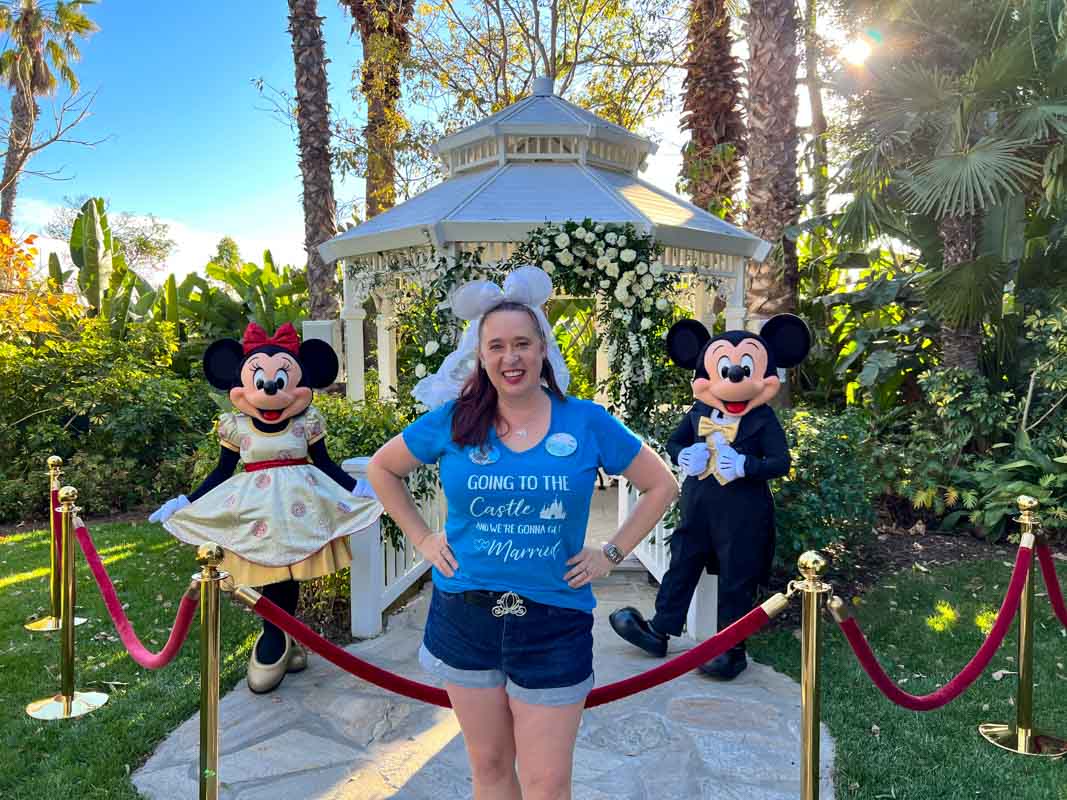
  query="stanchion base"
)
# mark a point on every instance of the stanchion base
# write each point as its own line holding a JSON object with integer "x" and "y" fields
{"x": 58, "y": 707}
{"x": 1040, "y": 744}
{"x": 49, "y": 624}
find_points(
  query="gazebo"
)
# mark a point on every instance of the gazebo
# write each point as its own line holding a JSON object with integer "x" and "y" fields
{"x": 542, "y": 159}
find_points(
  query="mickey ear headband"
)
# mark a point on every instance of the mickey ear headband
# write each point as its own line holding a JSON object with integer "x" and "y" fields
{"x": 528, "y": 285}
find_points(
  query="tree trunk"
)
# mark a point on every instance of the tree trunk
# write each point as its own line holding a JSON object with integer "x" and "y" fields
{"x": 18, "y": 143}
{"x": 382, "y": 26}
{"x": 820, "y": 161}
{"x": 772, "y": 153}
{"x": 711, "y": 162}
{"x": 960, "y": 346}
{"x": 313, "y": 126}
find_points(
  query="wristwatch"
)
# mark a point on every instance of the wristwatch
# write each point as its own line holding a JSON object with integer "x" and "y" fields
{"x": 614, "y": 554}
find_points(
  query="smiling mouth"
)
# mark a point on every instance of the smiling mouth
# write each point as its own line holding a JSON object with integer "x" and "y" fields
{"x": 735, "y": 406}
{"x": 271, "y": 414}
{"x": 513, "y": 375}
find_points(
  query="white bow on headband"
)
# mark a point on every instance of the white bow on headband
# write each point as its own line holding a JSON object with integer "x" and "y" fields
{"x": 528, "y": 285}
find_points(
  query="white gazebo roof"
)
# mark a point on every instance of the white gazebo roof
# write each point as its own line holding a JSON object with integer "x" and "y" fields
{"x": 541, "y": 160}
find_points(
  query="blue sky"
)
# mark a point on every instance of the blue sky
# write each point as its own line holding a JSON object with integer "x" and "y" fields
{"x": 185, "y": 136}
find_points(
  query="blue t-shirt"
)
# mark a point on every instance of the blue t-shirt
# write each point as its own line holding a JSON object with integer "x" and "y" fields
{"x": 515, "y": 518}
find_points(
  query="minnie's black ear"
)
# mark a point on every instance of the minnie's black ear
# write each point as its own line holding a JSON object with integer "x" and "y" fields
{"x": 685, "y": 342}
{"x": 318, "y": 362}
{"x": 788, "y": 338}
{"x": 222, "y": 363}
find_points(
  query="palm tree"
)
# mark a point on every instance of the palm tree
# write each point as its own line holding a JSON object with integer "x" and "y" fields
{"x": 773, "y": 196}
{"x": 41, "y": 43}
{"x": 313, "y": 127}
{"x": 960, "y": 146}
{"x": 711, "y": 166}
{"x": 386, "y": 43}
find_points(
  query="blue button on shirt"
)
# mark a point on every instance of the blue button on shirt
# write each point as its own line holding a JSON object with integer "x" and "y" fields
{"x": 515, "y": 518}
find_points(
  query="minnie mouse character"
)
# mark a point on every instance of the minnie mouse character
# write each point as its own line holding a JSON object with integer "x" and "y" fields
{"x": 729, "y": 445}
{"x": 283, "y": 519}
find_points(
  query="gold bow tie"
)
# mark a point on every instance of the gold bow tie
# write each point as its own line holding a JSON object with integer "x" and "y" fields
{"x": 707, "y": 427}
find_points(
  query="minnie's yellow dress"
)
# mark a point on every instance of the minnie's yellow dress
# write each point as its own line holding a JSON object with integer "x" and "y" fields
{"x": 276, "y": 522}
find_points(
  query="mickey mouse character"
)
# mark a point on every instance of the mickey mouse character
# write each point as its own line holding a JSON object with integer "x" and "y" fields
{"x": 729, "y": 445}
{"x": 282, "y": 519}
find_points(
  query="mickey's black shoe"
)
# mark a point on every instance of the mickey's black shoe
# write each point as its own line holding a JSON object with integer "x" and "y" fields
{"x": 727, "y": 666}
{"x": 634, "y": 628}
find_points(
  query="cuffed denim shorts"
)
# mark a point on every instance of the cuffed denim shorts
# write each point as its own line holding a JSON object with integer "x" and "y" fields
{"x": 542, "y": 654}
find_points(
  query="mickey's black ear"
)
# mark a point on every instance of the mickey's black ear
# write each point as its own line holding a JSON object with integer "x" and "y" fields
{"x": 685, "y": 342}
{"x": 318, "y": 362}
{"x": 788, "y": 337}
{"x": 222, "y": 363}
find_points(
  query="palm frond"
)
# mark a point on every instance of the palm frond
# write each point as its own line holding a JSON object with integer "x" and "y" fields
{"x": 912, "y": 88}
{"x": 1039, "y": 121}
{"x": 1005, "y": 69}
{"x": 970, "y": 179}
{"x": 866, "y": 217}
{"x": 963, "y": 295}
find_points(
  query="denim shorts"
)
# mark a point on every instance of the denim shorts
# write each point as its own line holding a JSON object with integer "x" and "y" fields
{"x": 542, "y": 654}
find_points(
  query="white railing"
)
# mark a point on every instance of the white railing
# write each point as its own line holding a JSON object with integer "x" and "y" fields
{"x": 654, "y": 553}
{"x": 380, "y": 572}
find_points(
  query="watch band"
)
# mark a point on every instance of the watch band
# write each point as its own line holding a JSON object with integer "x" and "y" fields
{"x": 613, "y": 553}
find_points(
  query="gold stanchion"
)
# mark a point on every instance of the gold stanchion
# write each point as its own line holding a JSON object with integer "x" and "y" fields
{"x": 812, "y": 566}
{"x": 210, "y": 556}
{"x": 68, "y": 703}
{"x": 1021, "y": 737}
{"x": 55, "y": 576}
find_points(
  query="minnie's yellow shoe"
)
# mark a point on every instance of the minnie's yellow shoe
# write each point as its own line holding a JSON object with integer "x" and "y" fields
{"x": 263, "y": 678}
{"x": 298, "y": 657}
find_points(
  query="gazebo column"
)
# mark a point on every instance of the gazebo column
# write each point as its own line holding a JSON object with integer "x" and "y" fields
{"x": 386, "y": 345}
{"x": 703, "y": 303}
{"x": 735, "y": 303}
{"x": 352, "y": 316}
{"x": 603, "y": 364}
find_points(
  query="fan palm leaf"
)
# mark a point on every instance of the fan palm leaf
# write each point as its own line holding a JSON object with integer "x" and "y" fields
{"x": 970, "y": 179}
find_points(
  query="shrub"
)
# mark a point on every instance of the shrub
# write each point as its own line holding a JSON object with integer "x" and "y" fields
{"x": 124, "y": 425}
{"x": 828, "y": 496}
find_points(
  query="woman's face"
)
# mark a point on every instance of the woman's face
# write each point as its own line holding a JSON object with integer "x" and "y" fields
{"x": 511, "y": 352}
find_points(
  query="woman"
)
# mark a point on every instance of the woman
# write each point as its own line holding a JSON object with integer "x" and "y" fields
{"x": 510, "y": 623}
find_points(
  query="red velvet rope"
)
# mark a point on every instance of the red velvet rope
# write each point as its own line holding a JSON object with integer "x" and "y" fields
{"x": 146, "y": 658}
{"x": 1052, "y": 582}
{"x": 955, "y": 687}
{"x": 718, "y": 644}
{"x": 705, "y": 651}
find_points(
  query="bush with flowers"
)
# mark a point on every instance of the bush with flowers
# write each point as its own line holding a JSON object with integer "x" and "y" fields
{"x": 616, "y": 263}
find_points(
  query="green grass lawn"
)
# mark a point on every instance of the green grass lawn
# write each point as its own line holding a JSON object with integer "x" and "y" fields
{"x": 882, "y": 751}
{"x": 92, "y": 756}
{"x": 923, "y": 629}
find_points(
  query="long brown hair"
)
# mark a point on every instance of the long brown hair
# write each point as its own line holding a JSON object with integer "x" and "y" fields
{"x": 476, "y": 408}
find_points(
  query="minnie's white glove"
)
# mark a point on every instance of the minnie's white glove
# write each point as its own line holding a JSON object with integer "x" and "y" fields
{"x": 694, "y": 459}
{"x": 164, "y": 512}
{"x": 363, "y": 489}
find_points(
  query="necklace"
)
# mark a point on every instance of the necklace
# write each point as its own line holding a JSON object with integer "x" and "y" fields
{"x": 521, "y": 432}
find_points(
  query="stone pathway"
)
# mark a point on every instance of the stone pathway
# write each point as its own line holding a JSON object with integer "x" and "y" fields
{"x": 325, "y": 735}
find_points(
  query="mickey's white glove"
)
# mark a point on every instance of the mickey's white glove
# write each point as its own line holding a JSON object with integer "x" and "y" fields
{"x": 164, "y": 512}
{"x": 363, "y": 489}
{"x": 730, "y": 464}
{"x": 694, "y": 459}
